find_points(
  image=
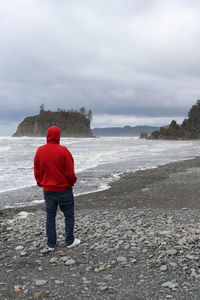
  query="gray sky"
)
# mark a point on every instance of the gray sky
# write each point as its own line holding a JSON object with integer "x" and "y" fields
{"x": 130, "y": 62}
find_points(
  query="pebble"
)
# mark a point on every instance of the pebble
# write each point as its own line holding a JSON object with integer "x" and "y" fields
{"x": 171, "y": 252}
{"x": 194, "y": 274}
{"x": 190, "y": 256}
{"x": 17, "y": 286}
{"x": 53, "y": 260}
{"x": 102, "y": 268}
{"x": 19, "y": 248}
{"x": 173, "y": 264}
{"x": 40, "y": 282}
{"x": 62, "y": 253}
{"x": 59, "y": 281}
{"x": 64, "y": 258}
{"x": 103, "y": 288}
{"x": 163, "y": 268}
{"x": 169, "y": 284}
{"x": 18, "y": 290}
{"x": 121, "y": 259}
{"x": 133, "y": 260}
{"x": 96, "y": 269}
{"x": 70, "y": 262}
{"x": 37, "y": 295}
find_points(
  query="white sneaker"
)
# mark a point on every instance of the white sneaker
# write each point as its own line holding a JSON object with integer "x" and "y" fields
{"x": 75, "y": 243}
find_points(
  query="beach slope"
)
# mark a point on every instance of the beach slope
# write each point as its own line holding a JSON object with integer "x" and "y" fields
{"x": 140, "y": 240}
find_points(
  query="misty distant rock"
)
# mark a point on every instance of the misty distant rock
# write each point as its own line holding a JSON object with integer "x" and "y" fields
{"x": 123, "y": 131}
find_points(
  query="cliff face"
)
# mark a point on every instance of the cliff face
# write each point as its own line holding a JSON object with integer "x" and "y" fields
{"x": 71, "y": 123}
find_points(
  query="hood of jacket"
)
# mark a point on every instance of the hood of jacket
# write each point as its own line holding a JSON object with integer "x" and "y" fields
{"x": 53, "y": 135}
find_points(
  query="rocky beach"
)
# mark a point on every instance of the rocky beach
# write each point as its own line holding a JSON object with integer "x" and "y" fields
{"x": 140, "y": 240}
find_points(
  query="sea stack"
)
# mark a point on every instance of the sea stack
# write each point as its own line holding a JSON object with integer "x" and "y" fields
{"x": 72, "y": 123}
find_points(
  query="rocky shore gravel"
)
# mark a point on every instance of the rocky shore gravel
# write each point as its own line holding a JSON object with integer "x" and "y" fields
{"x": 126, "y": 252}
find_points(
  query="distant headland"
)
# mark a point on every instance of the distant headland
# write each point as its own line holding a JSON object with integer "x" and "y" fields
{"x": 72, "y": 123}
{"x": 188, "y": 130}
{"x": 126, "y": 131}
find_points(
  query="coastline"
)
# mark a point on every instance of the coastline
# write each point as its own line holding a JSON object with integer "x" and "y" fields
{"x": 166, "y": 186}
{"x": 140, "y": 239}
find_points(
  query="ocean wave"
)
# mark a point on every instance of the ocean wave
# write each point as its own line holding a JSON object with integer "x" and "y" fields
{"x": 104, "y": 155}
{"x": 5, "y": 148}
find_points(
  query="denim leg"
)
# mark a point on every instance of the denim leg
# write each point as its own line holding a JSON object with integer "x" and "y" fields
{"x": 51, "y": 209}
{"x": 66, "y": 203}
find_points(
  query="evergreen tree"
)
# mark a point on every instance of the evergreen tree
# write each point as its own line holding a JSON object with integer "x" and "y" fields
{"x": 194, "y": 115}
{"x": 42, "y": 106}
{"x": 90, "y": 116}
{"x": 83, "y": 111}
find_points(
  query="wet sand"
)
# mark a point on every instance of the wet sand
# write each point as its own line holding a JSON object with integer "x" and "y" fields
{"x": 171, "y": 186}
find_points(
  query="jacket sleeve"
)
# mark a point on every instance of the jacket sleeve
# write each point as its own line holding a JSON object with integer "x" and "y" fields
{"x": 69, "y": 168}
{"x": 37, "y": 168}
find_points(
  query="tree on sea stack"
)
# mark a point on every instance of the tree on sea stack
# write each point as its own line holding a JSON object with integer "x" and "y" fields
{"x": 90, "y": 117}
{"x": 88, "y": 114}
{"x": 42, "y": 108}
{"x": 191, "y": 125}
{"x": 83, "y": 111}
{"x": 194, "y": 116}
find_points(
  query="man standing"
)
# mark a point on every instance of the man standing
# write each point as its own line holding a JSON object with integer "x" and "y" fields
{"x": 54, "y": 172}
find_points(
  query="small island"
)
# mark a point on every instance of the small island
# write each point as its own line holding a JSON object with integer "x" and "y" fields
{"x": 72, "y": 123}
{"x": 188, "y": 130}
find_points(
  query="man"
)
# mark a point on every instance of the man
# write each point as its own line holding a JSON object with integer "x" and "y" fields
{"x": 54, "y": 172}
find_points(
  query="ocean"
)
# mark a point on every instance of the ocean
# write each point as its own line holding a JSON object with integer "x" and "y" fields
{"x": 98, "y": 161}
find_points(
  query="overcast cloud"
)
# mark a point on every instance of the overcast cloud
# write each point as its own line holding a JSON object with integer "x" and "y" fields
{"x": 130, "y": 62}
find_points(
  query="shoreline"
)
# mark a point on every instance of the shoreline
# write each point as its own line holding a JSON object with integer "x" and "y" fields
{"x": 139, "y": 189}
{"x": 139, "y": 239}
{"x": 150, "y": 188}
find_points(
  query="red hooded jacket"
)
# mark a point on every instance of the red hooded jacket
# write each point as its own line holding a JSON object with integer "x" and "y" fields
{"x": 54, "y": 164}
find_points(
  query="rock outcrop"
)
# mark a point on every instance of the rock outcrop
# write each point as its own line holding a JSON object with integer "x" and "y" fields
{"x": 144, "y": 135}
{"x": 71, "y": 123}
{"x": 188, "y": 130}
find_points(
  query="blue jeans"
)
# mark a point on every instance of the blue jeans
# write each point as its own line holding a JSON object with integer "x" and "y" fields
{"x": 65, "y": 199}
